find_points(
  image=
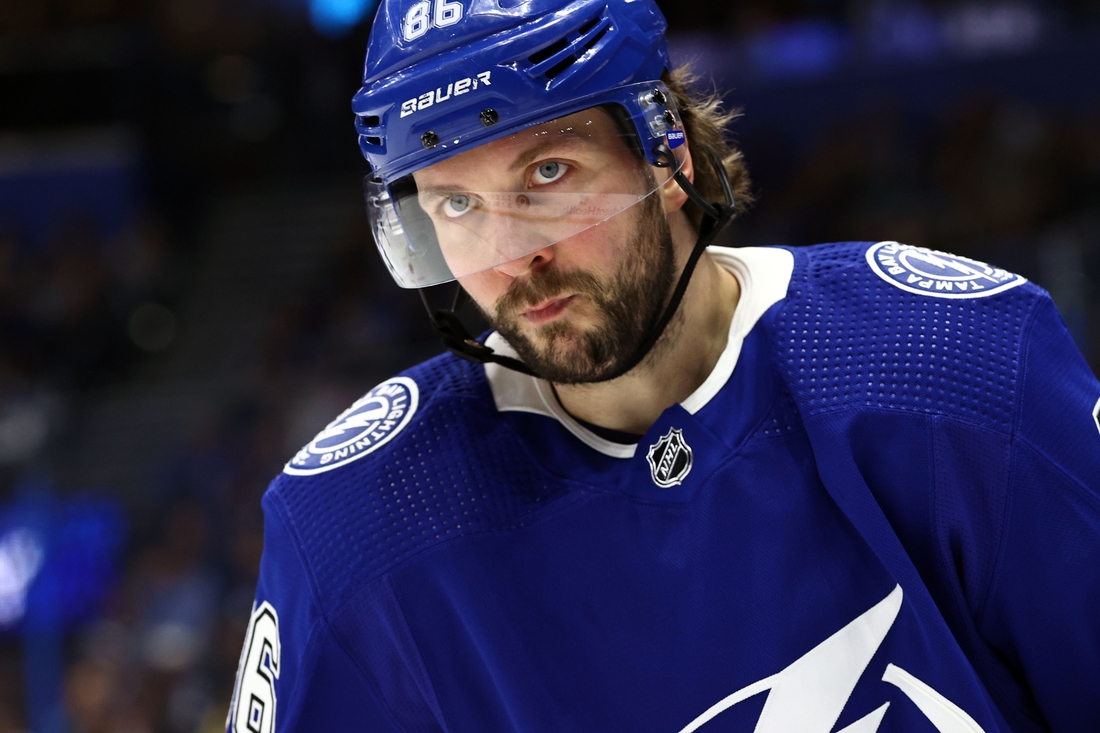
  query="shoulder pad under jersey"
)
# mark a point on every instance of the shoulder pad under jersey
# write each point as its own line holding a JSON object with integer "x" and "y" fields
{"x": 419, "y": 460}
{"x": 896, "y": 327}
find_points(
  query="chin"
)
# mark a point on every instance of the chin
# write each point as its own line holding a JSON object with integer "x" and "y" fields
{"x": 572, "y": 365}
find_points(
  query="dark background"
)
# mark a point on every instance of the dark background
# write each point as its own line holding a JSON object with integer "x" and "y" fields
{"x": 188, "y": 291}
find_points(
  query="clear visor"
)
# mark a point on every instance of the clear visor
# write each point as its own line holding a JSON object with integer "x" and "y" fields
{"x": 513, "y": 196}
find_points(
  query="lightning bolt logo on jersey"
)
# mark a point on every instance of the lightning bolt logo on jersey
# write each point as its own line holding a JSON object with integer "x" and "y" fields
{"x": 809, "y": 695}
{"x": 879, "y": 514}
{"x": 938, "y": 274}
{"x": 374, "y": 420}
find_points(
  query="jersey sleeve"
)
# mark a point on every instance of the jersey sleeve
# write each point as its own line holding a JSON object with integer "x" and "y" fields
{"x": 294, "y": 674}
{"x": 1043, "y": 610}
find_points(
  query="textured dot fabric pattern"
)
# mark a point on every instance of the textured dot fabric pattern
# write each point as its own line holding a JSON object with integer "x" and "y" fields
{"x": 491, "y": 570}
{"x": 853, "y": 339}
{"x": 364, "y": 518}
{"x": 783, "y": 418}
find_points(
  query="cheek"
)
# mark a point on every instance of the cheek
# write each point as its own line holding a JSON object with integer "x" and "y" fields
{"x": 600, "y": 249}
{"x": 457, "y": 248}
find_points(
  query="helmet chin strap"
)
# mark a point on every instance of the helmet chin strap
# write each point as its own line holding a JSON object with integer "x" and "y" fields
{"x": 458, "y": 340}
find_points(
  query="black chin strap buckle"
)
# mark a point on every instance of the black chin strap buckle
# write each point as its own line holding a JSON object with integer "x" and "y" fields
{"x": 455, "y": 336}
{"x": 460, "y": 342}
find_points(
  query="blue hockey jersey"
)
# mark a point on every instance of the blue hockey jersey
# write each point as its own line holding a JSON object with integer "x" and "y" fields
{"x": 880, "y": 512}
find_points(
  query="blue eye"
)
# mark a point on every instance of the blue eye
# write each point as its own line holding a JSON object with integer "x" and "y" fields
{"x": 549, "y": 172}
{"x": 456, "y": 205}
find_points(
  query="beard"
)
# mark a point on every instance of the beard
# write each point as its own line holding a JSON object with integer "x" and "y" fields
{"x": 627, "y": 305}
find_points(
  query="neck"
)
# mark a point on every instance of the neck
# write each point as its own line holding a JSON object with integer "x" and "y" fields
{"x": 679, "y": 363}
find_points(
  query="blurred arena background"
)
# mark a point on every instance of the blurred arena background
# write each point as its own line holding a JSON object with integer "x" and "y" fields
{"x": 188, "y": 291}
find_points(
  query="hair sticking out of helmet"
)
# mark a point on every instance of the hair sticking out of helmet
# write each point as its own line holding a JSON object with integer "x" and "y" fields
{"x": 706, "y": 123}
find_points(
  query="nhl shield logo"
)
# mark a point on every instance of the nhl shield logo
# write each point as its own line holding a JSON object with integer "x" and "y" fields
{"x": 670, "y": 459}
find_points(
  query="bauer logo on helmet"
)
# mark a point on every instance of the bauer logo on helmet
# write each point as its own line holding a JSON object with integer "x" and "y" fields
{"x": 442, "y": 94}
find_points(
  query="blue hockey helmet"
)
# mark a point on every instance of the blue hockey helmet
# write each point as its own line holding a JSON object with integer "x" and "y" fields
{"x": 444, "y": 77}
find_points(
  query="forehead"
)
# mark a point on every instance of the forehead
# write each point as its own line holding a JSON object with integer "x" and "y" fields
{"x": 590, "y": 132}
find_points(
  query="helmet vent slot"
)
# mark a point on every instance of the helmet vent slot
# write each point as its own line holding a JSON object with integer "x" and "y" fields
{"x": 369, "y": 127}
{"x": 559, "y": 67}
{"x": 544, "y": 53}
{"x": 556, "y": 58}
{"x": 589, "y": 25}
{"x": 596, "y": 38}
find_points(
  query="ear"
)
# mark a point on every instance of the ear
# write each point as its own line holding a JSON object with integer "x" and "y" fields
{"x": 673, "y": 196}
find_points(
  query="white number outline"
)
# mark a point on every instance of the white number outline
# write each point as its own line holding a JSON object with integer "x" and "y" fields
{"x": 446, "y": 13}
{"x": 417, "y": 21}
{"x": 427, "y": 14}
{"x": 259, "y": 658}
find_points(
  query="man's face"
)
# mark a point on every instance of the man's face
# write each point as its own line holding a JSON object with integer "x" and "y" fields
{"x": 574, "y": 308}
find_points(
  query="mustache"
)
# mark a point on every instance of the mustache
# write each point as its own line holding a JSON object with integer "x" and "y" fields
{"x": 523, "y": 294}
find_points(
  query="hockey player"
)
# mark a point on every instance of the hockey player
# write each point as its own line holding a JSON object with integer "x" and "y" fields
{"x": 852, "y": 487}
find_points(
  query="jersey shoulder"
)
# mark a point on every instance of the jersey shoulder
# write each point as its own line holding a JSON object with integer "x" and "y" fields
{"x": 892, "y": 326}
{"x": 420, "y": 460}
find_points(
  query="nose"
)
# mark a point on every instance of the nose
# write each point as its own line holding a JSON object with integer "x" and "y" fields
{"x": 518, "y": 245}
{"x": 527, "y": 263}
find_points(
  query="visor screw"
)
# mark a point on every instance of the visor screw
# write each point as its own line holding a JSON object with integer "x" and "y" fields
{"x": 670, "y": 119}
{"x": 488, "y": 116}
{"x": 429, "y": 139}
{"x": 659, "y": 97}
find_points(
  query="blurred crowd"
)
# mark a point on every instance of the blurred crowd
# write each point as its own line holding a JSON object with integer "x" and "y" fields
{"x": 76, "y": 311}
{"x": 161, "y": 653}
{"x": 991, "y": 179}
{"x": 232, "y": 94}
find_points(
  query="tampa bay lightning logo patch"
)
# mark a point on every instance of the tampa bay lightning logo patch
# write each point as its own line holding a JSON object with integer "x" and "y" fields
{"x": 375, "y": 419}
{"x": 670, "y": 459}
{"x": 940, "y": 275}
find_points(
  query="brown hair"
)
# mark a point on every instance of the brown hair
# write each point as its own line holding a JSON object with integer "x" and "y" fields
{"x": 705, "y": 122}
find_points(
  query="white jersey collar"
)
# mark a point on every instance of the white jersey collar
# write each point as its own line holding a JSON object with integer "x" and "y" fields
{"x": 763, "y": 274}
